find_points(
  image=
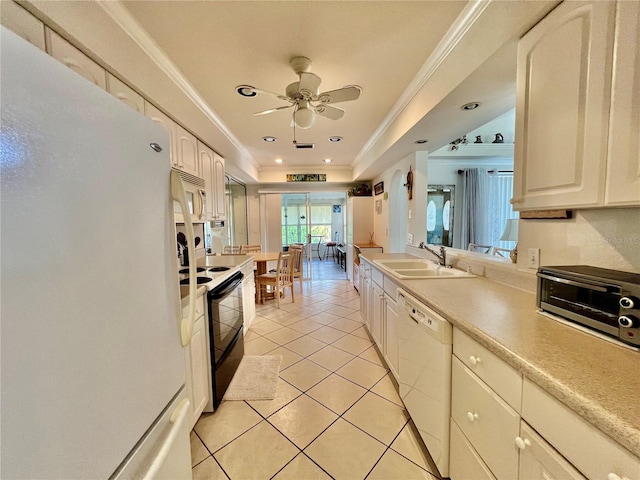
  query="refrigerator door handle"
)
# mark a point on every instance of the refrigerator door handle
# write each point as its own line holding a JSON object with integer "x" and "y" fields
{"x": 178, "y": 193}
{"x": 178, "y": 420}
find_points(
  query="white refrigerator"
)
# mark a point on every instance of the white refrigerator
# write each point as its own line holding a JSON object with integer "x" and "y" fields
{"x": 92, "y": 337}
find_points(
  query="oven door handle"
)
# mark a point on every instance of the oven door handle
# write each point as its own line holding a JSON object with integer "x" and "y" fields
{"x": 591, "y": 286}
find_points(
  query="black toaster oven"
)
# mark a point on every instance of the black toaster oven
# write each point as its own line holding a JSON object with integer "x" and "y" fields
{"x": 598, "y": 298}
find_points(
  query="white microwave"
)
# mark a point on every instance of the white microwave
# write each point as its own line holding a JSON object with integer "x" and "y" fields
{"x": 196, "y": 198}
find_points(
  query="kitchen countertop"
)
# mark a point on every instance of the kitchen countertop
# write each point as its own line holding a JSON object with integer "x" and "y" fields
{"x": 595, "y": 378}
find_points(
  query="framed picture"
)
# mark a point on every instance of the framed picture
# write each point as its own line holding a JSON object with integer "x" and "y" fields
{"x": 378, "y": 188}
{"x": 337, "y": 209}
{"x": 378, "y": 206}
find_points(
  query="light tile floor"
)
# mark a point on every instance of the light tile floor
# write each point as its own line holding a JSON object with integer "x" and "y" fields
{"x": 336, "y": 414}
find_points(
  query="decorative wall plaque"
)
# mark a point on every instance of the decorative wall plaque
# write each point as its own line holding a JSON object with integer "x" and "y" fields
{"x": 306, "y": 177}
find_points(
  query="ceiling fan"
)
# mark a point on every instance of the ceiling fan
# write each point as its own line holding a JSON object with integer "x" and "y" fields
{"x": 303, "y": 96}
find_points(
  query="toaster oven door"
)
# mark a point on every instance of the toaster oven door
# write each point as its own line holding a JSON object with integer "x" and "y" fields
{"x": 593, "y": 304}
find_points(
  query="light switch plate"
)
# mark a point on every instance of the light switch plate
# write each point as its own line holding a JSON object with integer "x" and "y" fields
{"x": 533, "y": 258}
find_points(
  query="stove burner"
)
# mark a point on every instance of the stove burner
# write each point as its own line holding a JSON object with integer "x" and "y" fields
{"x": 186, "y": 270}
{"x": 200, "y": 280}
{"x": 219, "y": 269}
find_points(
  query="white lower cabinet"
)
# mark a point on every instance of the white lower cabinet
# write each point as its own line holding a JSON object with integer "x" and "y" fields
{"x": 506, "y": 427}
{"x": 489, "y": 424}
{"x": 248, "y": 296}
{"x": 539, "y": 461}
{"x": 197, "y": 363}
{"x": 379, "y": 312}
{"x": 464, "y": 461}
{"x": 392, "y": 352}
{"x": 593, "y": 453}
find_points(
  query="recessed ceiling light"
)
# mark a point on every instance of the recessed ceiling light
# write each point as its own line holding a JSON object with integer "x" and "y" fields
{"x": 269, "y": 139}
{"x": 421, "y": 141}
{"x": 335, "y": 139}
{"x": 327, "y": 160}
{"x": 470, "y": 106}
{"x": 278, "y": 160}
{"x": 246, "y": 91}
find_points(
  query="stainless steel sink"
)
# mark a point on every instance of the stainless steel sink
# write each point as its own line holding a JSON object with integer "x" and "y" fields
{"x": 419, "y": 269}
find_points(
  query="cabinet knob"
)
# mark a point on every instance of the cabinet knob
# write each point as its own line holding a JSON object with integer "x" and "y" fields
{"x": 522, "y": 443}
{"x": 472, "y": 416}
{"x": 613, "y": 476}
{"x": 515, "y": 200}
{"x": 473, "y": 360}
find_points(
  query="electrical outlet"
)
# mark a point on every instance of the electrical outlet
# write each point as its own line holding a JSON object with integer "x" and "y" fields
{"x": 410, "y": 239}
{"x": 533, "y": 258}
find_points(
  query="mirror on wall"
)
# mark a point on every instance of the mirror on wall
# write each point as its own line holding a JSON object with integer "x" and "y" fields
{"x": 440, "y": 203}
{"x": 236, "y": 195}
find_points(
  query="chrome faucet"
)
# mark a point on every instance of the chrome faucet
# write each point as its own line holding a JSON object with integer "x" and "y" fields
{"x": 442, "y": 256}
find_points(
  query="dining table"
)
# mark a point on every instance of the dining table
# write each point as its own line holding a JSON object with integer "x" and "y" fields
{"x": 261, "y": 259}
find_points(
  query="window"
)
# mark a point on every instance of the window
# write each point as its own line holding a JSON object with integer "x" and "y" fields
{"x": 294, "y": 223}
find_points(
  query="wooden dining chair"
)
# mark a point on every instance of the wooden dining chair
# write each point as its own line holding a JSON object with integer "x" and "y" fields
{"x": 501, "y": 252}
{"x": 297, "y": 250}
{"x": 230, "y": 250}
{"x": 278, "y": 281}
{"x": 250, "y": 248}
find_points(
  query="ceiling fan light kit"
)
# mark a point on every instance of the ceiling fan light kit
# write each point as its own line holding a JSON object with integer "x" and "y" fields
{"x": 304, "y": 97}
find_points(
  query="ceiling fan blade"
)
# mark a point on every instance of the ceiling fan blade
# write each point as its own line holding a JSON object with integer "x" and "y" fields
{"x": 250, "y": 91}
{"x": 328, "y": 111}
{"x": 271, "y": 110}
{"x": 345, "y": 94}
{"x": 309, "y": 84}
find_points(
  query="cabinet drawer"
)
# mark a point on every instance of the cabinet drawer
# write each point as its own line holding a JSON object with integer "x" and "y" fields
{"x": 377, "y": 276}
{"x": 502, "y": 378}
{"x": 200, "y": 306}
{"x": 464, "y": 462}
{"x": 589, "y": 450}
{"x": 486, "y": 420}
{"x": 391, "y": 288}
{"x": 539, "y": 461}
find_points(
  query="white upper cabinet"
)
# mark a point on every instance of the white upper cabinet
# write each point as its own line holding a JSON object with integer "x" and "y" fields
{"x": 623, "y": 166}
{"x": 187, "y": 151}
{"x": 562, "y": 108}
{"x": 184, "y": 146}
{"x": 212, "y": 170}
{"x": 73, "y": 58}
{"x": 219, "y": 188}
{"x": 169, "y": 125}
{"x": 125, "y": 93}
{"x": 19, "y": 21}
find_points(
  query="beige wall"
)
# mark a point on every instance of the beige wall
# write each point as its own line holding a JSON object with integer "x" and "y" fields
{"x": 608, "y": 238}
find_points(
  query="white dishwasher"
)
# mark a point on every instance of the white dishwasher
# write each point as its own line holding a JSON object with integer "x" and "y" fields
{"x": 425, "y": 344}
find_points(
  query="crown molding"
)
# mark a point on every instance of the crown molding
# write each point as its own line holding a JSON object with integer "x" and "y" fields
{"x": 469, "y": 15}
{"x": 119, "y": 13}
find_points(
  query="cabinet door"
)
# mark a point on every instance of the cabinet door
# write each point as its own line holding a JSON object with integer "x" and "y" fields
{"x": 19, "y": 21}
{"x": 169, "y": 125}
{"x": 125, "y": 93}
{"x": 219, "y": 188}
{"x": 391, "y": 334}
{"x": 205, "y": 155}
{"x": 562, "y": 108}
{"x": 377, "y": 314}
{"x": 623, "y": 164}
{"x": 73, "y": 58}
{"x": 187, "y": 151}
{"x": 539, "y": 461}
{"x": 363, "y": 301}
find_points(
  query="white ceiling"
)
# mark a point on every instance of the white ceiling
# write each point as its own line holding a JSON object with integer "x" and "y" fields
{"x": 416, "y": 61}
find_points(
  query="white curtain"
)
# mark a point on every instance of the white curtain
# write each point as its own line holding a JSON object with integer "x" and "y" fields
{"x": 485, "y": 207}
